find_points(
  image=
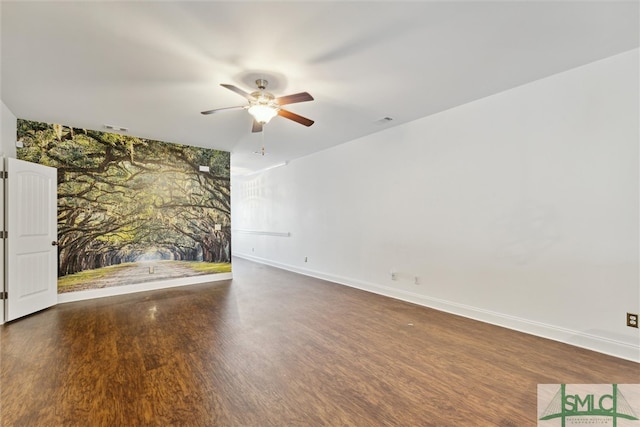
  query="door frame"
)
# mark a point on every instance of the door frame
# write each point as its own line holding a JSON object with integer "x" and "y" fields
{"x": 4, "y": 242}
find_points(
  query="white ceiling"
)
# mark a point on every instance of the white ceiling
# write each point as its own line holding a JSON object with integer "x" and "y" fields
{"x": 153, "y": 66}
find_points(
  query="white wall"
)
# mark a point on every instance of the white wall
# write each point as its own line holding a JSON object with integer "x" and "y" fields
{"x": 520, "y": 209}
{"x": 8, "y": 132}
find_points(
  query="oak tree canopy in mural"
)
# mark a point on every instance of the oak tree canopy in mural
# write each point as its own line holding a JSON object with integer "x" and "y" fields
{"x": 125, "y": 199}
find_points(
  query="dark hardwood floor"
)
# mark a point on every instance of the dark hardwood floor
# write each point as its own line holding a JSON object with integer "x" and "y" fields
{"x": 273, "y": 348}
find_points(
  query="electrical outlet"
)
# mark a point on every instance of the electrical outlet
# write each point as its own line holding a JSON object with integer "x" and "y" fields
{"x": 416, "y": 280}
{"x": 305, "y": 259}
{"x": 632, "y": 320}
{"x": 393, "y": 275}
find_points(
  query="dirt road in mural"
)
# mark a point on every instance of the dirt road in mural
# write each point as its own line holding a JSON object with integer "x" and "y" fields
{"x": 139, "y": 272}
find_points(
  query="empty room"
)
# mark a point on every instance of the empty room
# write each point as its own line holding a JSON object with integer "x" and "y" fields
{"x": 320, "y": 213}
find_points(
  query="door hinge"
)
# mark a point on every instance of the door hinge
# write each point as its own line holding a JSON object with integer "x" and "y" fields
{"x": 4, "y": 234}
{"x": 4, "y": 174}
{"x": 4, "y": 295}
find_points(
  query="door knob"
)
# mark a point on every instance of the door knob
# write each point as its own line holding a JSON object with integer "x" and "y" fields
{"x": 54, "y": 243}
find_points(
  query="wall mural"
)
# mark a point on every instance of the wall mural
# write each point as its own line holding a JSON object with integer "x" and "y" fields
{"x": 132, "y": 210}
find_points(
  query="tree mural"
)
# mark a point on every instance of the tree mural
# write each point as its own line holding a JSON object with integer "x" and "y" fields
{"x": 126, "y": 199}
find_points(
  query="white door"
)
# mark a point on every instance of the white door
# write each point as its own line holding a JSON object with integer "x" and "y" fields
{"x": 32, "y": 234}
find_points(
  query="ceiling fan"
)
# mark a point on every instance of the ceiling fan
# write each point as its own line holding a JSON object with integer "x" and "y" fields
{"x": 263, "y": 106}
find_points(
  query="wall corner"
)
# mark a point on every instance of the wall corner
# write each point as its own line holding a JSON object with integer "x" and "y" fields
{"x": 8, "y": 132}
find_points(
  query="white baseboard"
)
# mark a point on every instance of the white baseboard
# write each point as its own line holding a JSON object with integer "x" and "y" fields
{"x": 140, "y": 287}
{"x": 576, "y": 338}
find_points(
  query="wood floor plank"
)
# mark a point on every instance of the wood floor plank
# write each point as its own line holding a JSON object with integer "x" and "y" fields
{"x": 273, "y": 348}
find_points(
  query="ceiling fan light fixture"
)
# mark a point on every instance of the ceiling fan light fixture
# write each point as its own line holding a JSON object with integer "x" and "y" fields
{"x": 263, "y": 112}
{"x": 263, "y": 106}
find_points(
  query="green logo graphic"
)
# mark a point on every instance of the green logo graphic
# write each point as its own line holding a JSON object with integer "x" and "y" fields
{"x": 606, "y": 406}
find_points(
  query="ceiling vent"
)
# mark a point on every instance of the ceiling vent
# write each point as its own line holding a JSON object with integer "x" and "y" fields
{"x": 384, "y": 120}
{"x": 116, "y": 128}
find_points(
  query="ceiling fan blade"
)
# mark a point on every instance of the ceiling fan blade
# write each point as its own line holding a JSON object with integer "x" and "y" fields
{"x": 292, "y": 99}
{"x": 257, "y": 126}
{"x": 295, "y": 117}
{"x": 237, "y": 90}
{"x": 241, "y": 107}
